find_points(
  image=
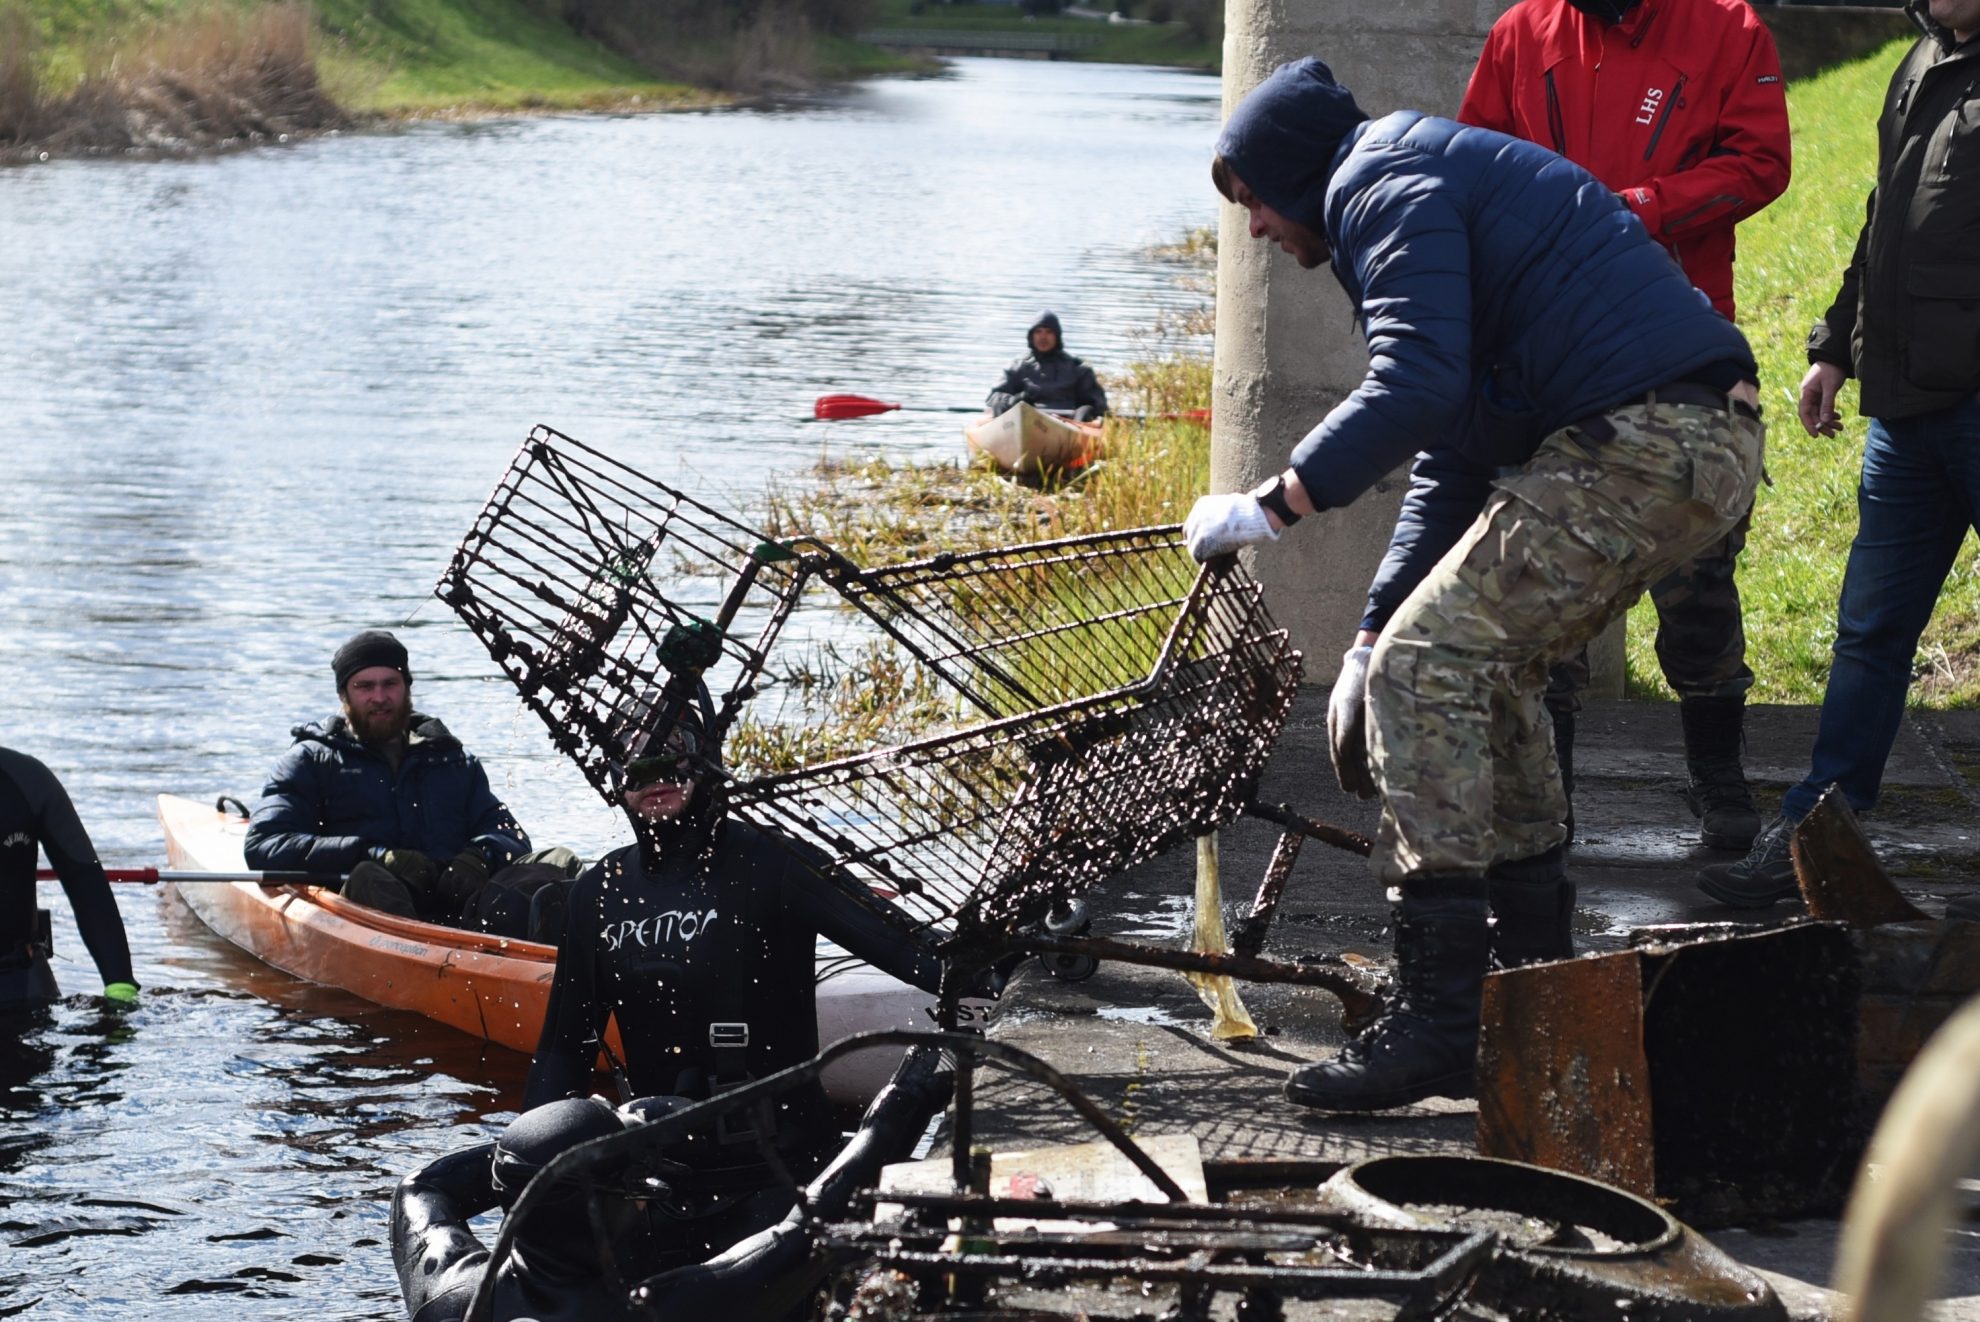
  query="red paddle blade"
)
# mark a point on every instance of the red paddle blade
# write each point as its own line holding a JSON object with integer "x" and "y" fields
{"x": 831, "y": 407}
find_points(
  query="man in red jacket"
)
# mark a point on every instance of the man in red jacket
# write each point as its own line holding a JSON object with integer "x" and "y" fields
{"x": 1678, "y": 106}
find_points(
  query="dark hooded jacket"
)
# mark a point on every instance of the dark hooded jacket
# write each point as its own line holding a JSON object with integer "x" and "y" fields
{"x": 1503, "y": 291}
{"x": 1906, "y": 321}
{"x": 331, "y": 800}
{"x": 1054, "y": 380}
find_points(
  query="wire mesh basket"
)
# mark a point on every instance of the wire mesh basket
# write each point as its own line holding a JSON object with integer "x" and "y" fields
{"x": 1134, "y": 698}
{"x": 1111, "y": 698}
{"x": 593, "y": 585}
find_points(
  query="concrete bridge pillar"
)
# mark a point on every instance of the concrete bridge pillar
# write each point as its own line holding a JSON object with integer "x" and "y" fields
{"x": 1287, "y": 349}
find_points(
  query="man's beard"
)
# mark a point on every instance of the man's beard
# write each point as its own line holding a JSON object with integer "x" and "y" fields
{"x": 381, "y": 728}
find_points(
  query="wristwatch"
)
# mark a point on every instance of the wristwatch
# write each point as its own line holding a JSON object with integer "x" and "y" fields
{"x": 1274, "y": 499}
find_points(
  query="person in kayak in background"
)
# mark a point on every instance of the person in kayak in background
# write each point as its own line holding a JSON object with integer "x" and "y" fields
{"x": 1049, "y": 378}
{"x": 700, "y": 940}
{"x": 36, "y": 815}
{"x": 386, "y": 795}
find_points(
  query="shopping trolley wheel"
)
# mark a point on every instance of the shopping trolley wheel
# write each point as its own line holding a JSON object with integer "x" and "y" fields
{"x": 1069, "y": 968}
{"x": 1069, "y": 919}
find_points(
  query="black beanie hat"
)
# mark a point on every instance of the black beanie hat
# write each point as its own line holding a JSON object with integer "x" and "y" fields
{"x": 373, "y": 647}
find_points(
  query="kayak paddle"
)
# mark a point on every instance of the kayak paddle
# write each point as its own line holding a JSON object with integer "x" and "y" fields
{"x": 837, "y": 408}
{"x": 152, "y": 876}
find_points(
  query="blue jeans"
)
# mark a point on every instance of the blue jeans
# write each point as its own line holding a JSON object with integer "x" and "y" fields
{"x": 1919, "y": 494}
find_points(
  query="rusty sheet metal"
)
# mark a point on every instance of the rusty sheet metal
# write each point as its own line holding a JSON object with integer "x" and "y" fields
{"x": 1838, "y": 869}
{"x": 1562, "y": 1078}
{"x": 1718, "y": 1075}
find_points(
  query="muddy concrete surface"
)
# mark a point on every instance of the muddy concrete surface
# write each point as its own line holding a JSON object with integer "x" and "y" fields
{"x": 1138, "y": 1039}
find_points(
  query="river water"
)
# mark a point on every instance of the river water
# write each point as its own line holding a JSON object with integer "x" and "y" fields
{"x": 254, "y": 400}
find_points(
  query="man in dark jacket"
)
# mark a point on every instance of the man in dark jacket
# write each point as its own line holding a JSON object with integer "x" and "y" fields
{"x": 387, "y": 795}
{"x": 1048, "y": 377}
{"x": 1906, "y": 323}
{"x": 1517, "y": 317}
{"x": 1678, "y": 106}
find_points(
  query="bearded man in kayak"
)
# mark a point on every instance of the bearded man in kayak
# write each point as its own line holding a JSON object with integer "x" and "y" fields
{"x": 1049, "y": 378}
{"x": 1581, "y": 422}
{"x": 700, "y": 939}
{"x": 36, "y": 815}
{"x": 387, "y": 795}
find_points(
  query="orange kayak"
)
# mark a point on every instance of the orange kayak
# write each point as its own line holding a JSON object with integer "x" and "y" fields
{"x": 491, "y": 987}
{"x": 1029, "y": 442}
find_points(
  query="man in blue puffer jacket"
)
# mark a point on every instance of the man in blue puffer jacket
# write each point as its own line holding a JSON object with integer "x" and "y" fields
{"x": 388, "y": 795}
{"x": 1581, "y": 420}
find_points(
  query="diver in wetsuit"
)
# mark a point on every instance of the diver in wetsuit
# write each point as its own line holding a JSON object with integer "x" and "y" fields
{"x": 35, "y": 814}
{"x": 700, "y": 939}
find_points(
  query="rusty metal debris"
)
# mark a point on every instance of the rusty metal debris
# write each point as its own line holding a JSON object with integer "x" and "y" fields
{"x": 1735, "y": 1073}
{"x": 1837, "y": 867}
{"x": 1114, "y": 698}
{"x": 1713, "y": 1074}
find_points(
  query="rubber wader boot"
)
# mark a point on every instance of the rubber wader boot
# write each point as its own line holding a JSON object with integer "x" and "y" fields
{"x": 1532, "y": 909}
{"x": 1426, "y": 1042}
{"x": 1564, "y": 754}
{"x": 1714, "y": 734}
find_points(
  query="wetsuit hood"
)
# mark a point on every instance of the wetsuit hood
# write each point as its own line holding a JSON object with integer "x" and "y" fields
{"x": 1283, "y": 139}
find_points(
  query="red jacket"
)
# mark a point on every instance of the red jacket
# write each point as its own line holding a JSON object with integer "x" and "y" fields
{"x": 1679, "y": 108}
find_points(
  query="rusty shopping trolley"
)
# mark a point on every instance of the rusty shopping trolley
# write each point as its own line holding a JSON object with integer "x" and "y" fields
{"x": 1104, "y": 697}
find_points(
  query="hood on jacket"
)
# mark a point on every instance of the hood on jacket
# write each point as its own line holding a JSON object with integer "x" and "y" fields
{"x": 1282, "y": 139}
{"x": 1050, "y": 320}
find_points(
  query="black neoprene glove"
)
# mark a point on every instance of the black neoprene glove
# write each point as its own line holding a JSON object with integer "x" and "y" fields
{"x": 464, "y": 875}
{"x": 417, "y": 870}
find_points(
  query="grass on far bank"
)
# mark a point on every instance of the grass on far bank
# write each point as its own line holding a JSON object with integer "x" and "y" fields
{"x": 1174, "y": 44}
{"x": 1791, "y": 257}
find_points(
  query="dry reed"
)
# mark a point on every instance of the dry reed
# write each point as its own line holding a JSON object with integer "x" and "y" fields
{"x": 205, "y": 78}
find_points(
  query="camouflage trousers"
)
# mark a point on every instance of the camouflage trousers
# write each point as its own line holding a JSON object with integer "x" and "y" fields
{"x": 1701, "y": 637}
{"x": 1458, "y": 736}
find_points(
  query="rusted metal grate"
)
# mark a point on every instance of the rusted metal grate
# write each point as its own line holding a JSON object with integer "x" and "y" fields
{"x": 592, "y": 584}
{"x": 1138, "y": 698}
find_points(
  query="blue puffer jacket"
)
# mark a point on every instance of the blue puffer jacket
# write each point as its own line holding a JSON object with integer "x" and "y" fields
{"x": 1504, "y": 293}
{"x": 331, "y": 799}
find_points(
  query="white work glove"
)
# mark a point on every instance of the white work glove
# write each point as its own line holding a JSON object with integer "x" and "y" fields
{"x": 1347, "y": 724}
{"x": 1219, "y": 525}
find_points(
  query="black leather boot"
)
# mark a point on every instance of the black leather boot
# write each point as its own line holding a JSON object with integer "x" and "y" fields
{"x": 1532, "y": 909}
{"x": 1426, "y": 1042}
{"x": 1714, "y": 735}
{"x": 1564, "y": 754}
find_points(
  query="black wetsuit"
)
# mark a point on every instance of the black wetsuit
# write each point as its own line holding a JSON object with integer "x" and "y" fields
{"x": 35, "y": 815}
{"x": 728, "y": 937}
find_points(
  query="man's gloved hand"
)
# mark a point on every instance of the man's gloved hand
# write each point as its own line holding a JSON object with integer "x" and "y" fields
{"x": 121, "y": 995}
{"x": 1219, "y": 525}
{"x": 417, "y": 870}
{"x": 1347, "y": 724}
{"x": 464, "y": 875}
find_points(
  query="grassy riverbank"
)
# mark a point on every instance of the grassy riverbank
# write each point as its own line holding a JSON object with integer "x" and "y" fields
{"x": 1791, "y": 257}
{"x": 168, "y": 75}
